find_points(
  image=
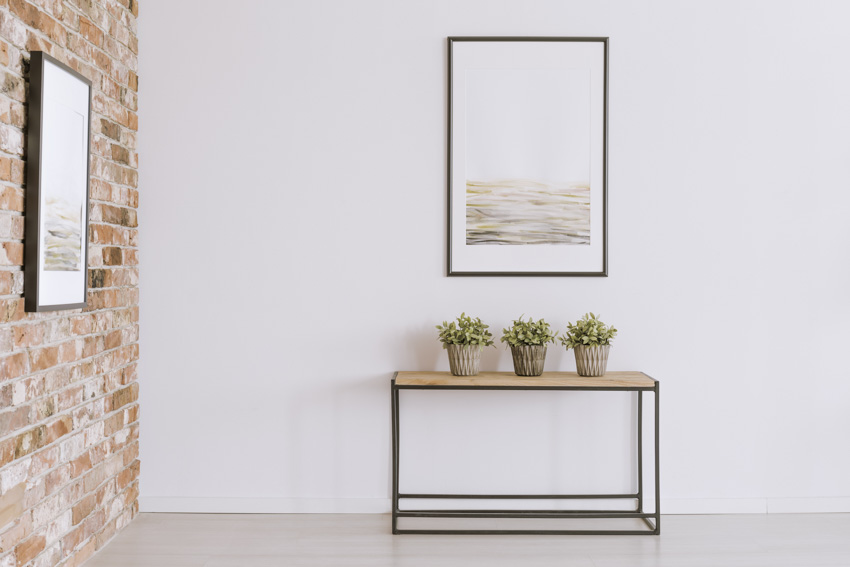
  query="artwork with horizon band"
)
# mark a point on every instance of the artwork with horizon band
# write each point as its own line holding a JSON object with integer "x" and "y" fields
{"x": 528, "y": 157}
{"x": 57, "y": 198}
{"x": 527, "y": 144}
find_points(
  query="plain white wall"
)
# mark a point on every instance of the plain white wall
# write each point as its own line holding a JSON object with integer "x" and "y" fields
{"x": 293, "y": 256}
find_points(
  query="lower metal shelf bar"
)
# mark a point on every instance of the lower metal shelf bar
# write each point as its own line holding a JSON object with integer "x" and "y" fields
{"x": 514, "y": 514}
{"x": 521, "y": 496}
{"x": 525, "y": 532}
{"x": 523, "y": 512}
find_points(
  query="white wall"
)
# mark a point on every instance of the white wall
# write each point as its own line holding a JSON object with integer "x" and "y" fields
{"x": 293, "y": 253}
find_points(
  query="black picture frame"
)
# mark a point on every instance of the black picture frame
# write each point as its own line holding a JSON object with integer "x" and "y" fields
{"x": 34, "y": 241}
{"x": 451, "y": 270}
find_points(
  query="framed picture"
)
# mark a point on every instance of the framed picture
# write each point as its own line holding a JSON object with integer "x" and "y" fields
{"x": 57, "y": 197}
{"x": 527, "y": 156}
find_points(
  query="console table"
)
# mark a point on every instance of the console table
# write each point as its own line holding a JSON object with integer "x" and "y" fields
{"x": 562, "y": 381}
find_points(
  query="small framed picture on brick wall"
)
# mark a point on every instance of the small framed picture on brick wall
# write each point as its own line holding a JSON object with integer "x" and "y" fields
{"x": 57, "y": 197}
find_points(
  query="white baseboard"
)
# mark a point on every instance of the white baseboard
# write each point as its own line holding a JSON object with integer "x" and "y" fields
{"x": 713, "y": 506}
{"x": 382, "y": 505}
{"x": 807, "y": 505}
{"x": 756, "y": 505}
{"x": 265, "y": 505}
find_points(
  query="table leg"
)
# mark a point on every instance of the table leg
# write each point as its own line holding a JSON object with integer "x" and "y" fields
{"x": 657, "y": 461}
{"x": 394, "y": 412}
{"x": 640, "y": 451}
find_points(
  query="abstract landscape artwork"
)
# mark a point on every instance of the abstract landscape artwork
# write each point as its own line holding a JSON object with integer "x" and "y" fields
{"x": 62, "y": 174}
{"x": 62, "y": 250}
{"x": 523, "y": 211}
{"x": 527, "y": 156}
{"x": 58, "y": 125}
{"x": 527, "y": 159}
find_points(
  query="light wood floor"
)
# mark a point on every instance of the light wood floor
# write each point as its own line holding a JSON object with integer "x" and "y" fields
{"x": 230, "y": 540}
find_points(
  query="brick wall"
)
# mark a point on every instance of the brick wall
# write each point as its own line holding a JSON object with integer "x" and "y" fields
{"x": 68, "y": 410}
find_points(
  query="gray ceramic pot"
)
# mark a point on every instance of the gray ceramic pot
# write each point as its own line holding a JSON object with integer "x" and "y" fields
{"x": 529, "y": 359}
{"x": 592, "y": 360}
{"x": 464, "y": 360}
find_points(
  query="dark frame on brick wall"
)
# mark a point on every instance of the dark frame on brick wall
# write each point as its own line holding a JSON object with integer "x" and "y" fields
{"x": 34, "y": 241}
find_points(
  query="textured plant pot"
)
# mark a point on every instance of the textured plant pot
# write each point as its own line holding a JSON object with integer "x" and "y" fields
{"x": 592, "y": 360}
{"x": 528, "y": 360}
{"x": 464, "y": 360}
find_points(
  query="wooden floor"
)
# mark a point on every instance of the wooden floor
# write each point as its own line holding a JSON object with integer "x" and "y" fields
{"x": 229, "y": 540}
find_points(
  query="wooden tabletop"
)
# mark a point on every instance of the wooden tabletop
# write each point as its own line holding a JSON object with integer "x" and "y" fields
{"x": 511, "y": 380}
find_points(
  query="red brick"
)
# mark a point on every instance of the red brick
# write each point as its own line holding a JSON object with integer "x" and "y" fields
{"x": 12, "y": 254}
{"x": 112, "y": 256}
{"x": 5, "y": 168}
{"x": 17, "y": 227}
{"x": 68, "y": 398}
{"x": 13, "y": 419}
{"x": 14, "y": 365}
{"x": 44, "y": 358}
{"x": 113, "y": 340}
{"x": 83, "y": 508}
{"x": 37, "y": 43}
{"x": 90, "y": 31}
{"x": 11, "y": 310}
{"x": 81, "y": 325}
{"x": 57, "y": 478}
{"x": 81, "y": 465}
{"x": 30, "y": 441}
{"x": 7, "y": 451}
{"x": 15, "y": 534}
{"x": 43, "y": 461}
{"x": 28, "y": 335}
{"x": 6, "y": 282}
{"x": 12, "y": 198}
{"x": 58, "y": 428}
{"x": 27, "y": 550}
{"x": 119, "y": 215}
{"x": 125, "y": 396}
{"x": 18, "y": 120}
{"x": 67, "y": 352}
{"x": 18, "y": 168}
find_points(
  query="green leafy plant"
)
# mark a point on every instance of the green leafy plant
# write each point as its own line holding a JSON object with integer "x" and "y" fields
{"x": 588, "y": 331}
{"x": 465, "y": 331}
{"x": 528, "y": 333}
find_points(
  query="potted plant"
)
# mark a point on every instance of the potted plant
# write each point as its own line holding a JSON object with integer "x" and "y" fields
{"x": 528, "y": 340}
{"x": 464, "y": 339}
{"x": 591, "y": 340}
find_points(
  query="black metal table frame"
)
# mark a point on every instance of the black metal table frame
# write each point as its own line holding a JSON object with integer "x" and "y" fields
{"x": 652, "y": 520}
